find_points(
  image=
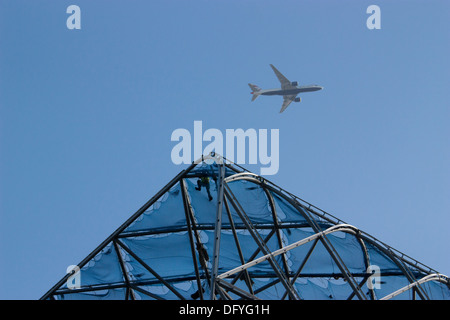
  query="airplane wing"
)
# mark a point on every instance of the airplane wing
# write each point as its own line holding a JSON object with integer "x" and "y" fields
{"x": 287, "y": 101}
{"x": 285, "y": 83}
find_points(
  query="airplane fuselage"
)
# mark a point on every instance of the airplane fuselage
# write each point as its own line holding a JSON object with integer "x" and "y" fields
{"x": 288, "y": 92}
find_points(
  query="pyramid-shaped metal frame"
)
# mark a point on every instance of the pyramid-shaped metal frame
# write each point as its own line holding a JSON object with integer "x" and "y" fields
{"x": 268, "y": 262}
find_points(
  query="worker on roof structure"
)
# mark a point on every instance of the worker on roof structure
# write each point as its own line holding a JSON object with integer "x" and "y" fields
{"x": 204, "y": 181}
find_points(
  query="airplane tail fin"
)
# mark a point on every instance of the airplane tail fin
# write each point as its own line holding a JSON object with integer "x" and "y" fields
{"x": 255, "y": 91}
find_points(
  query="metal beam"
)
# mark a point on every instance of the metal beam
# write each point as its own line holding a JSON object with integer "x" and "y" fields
{"x": 423, "y": 295}
{"x": 271, "y": 255}
{"x": 186, "y": 207}
{"x": 217, "y": 231}
{"x": 267, "y": 286}
{"x": 124, "y": 272}
{"x": 209, "y": 227}
{"x": 247, "y": 278}
{"x": 152, "y": 295}
{"x": 146, "y": 266}
{"x": 254, "y": 254}
{"x": 302, "y": 265}
{"x": 277, "y": 229}
{"x": 236, "y": 290}
{"x": 363, "y": 281}
{"x": 431, "y": 277}
{"x": 398, "y": 261}
{"x": 259, "y": 241}
{"x": 328, "y": 246}
{"x": 198, "y": 244}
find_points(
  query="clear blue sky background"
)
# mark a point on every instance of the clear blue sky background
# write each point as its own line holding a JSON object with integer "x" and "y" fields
{"x": 86, "y": 116}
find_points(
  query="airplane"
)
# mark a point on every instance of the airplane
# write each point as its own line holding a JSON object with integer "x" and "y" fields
{"x": 289, "y": 90}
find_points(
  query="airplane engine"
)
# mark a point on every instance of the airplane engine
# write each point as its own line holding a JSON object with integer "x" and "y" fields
{"x": 294, "y": 83}
{"x": 297, "y": 99}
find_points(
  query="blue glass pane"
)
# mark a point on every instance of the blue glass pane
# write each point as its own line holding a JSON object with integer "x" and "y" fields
{"x": 380, "y": 259}
{"x": 167, "y": 211}
{"x": 286, "y": 212}
{"x": 104, "y": 268}
{"x": 203, "y": 209}
{"x": 253, "y": 200}
{"x": 108, "y": 294}
{"x": 169, "y": 255}
{"x": 186, "y": 288}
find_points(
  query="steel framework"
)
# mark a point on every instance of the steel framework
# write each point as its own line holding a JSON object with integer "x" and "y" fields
{"x": 266, "y": 259}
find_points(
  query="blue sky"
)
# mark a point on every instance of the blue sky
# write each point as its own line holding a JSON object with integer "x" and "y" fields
{"x": 86, "y": 116}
